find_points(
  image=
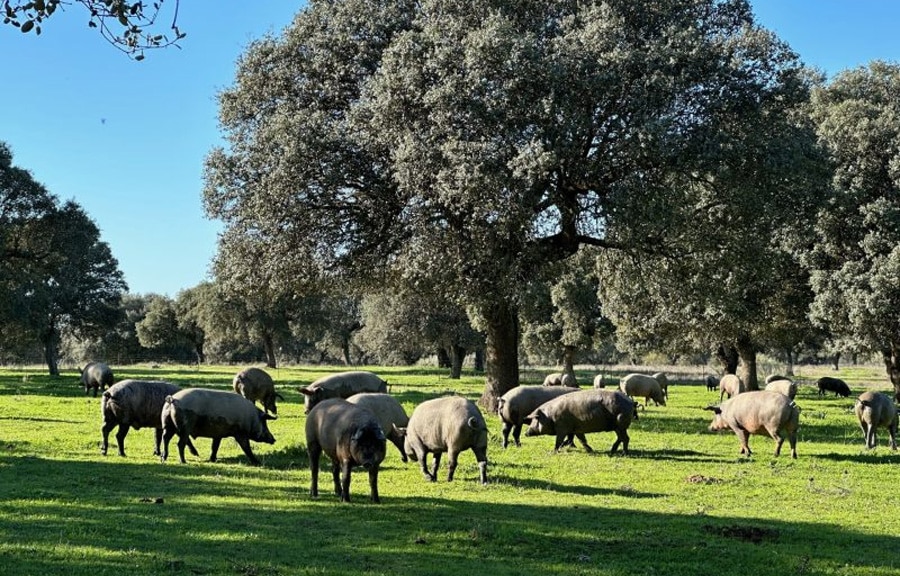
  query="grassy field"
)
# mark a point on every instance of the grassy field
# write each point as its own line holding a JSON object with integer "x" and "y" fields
{"x": 683, "y": 502}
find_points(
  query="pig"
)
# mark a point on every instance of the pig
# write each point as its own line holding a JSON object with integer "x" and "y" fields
{"x": 773, "y": 377}
{"x": 96, "y": 375}
{"x": 663, "y": 383}
{"x": 836, "y": 385}
{"x": 351, "y": 436}
{"x": 785, "y": 386}
{"x": 256, "y": 385}
{"x": 449, "y": 424}
{"x": 341, "y": 385}
{"x": 643, "y": 386}
{"x": 553, "y": 379}
{"x": 759, "y": 412}
{"x": 599, "y": 381}
{"x": 388, "y": 412}
{"x": 213, "y": 414}
{"x": 712, "y": 382}
{"x": 515, "y": 406}
{"x": 582, "y": 412}
{"x": 133, "y": 404}
{"x": 876, "y": 410}
{"x": 730, "y": 384}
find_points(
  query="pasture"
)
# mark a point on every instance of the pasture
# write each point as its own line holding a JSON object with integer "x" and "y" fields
{"x": 684, "y": 502}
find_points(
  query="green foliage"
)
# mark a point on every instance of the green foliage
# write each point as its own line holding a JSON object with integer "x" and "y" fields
{"x": 683, "y": 503}
{"x": 129, "y": 26}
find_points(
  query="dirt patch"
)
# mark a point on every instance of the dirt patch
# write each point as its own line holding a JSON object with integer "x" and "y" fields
{"x": 701, "y": 479}
{"x": 755, "y": 534}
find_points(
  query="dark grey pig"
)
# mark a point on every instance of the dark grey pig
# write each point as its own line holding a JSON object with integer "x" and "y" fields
{"x": 836, "y": 385}
{"x": 256, "y": 385}
{"x": 759, "y": 412}
{"x": 133, "y": 404}
{"x": 712, "y": 382}
{"x": 350, "y": 436}
{"x": 213, "y": 414}
{"x": 876, "y": 410}
{"x": 515, "y": 406}
{"x": 450, "y": 424}
{"x": 388, "y": 412}
{"x": 583, "y": 412}
{"x": 341, "y": 385}
{"x": 96, "y": 375}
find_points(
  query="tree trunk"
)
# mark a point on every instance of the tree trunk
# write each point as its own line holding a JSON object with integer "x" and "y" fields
{"x": 198, "y": 351}
{"x": 568, "y": 360}
{"x": 50, "y": 340}
{"x": 892, "y": 365}
{"x": 269, "y": 347}
{"x": 457, "y": 355}
{"x": 443, "y": 359}
{"x": 728, "y": 356}
{"x": 789, "y": 354}
{"x": 345, "y": 350}
{"x": 501, "y": 353}
{"x": 747, "y": 368}
{"x": 479, "y": 360}
{"x": 836, "y": 361}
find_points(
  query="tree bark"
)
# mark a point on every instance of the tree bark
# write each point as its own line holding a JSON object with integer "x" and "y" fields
{"x": 790, "y": 362}
{"x": 50, "y": 340}
{"x": 479, "y": 360}
{"x": 443, "y": 359}
{"x": 568, "y": 360}
{"x": 457, "y": 355}
{"x": 728, "y": 356}
{"x": 892, "y": 365}
{"x": 198, "y": 351}
{"x": 836, "y": 361}
{"x": 269, "y": 347}
{"x": 747, "y": 367}
{"x": 501, "y": 352}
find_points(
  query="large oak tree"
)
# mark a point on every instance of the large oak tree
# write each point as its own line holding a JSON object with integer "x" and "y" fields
{"x": 470, "y": 144}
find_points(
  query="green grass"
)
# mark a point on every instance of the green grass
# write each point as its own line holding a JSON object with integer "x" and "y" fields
{"x": 683, "y": 502}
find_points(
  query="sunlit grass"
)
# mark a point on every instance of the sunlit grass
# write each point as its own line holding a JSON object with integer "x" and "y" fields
{"x": 683, "y": 502}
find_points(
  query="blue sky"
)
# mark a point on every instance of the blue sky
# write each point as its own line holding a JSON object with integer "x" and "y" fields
{"x": 127, "y": 139}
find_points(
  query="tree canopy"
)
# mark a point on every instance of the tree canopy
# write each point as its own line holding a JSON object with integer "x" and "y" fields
{"x": 855, "y": 259}
{"x": 132, "y": 27}
{"x": 469, "y": 145}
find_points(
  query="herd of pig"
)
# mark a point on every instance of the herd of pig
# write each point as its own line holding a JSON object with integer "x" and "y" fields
{"x": 351, "y": 416}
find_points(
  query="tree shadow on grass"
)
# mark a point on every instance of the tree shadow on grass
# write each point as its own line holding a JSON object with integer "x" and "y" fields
{"x": 538, "y": 484}
{"x": 883, "y": 455}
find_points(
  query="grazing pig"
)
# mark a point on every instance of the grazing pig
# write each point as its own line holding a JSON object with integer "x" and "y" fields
{"x": 341, "y": 385}
{"x": 876, "y": 410}
{"x": 663, "y": 383}
{"x": 836, "y": 385}
{"x": 388, "y": 412}
{"x": 712, "y": 382}
{"x": 599, "y": 381}
{"x": 255, "y": 384}
{"x": 773, "y": 377}
{"x": 96, "y": 375}
{"x": 213, "y": 414}
{"x": 553, "y": 379}
{"x": 134, "y": 404}
{"x": 730, "y": 384}
{"x": 515, "y": 406}
{"x": 582, "y": 412}
{"x": 785, "y": 386}
{"x": 351, "y": 436}
{"x": 759, "y": 412}
{"x": 643, "y": 386}
{"x": 450, "y": 424}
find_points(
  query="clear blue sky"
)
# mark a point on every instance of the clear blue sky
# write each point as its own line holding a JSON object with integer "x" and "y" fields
{"x": 127, "y": 139}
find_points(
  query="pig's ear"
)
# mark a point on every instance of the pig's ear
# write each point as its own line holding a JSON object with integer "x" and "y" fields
{"x": 715, "y": 409}
{"x": 270, "y": 416}
{"x": 306, "y": 391}
{"x": 398, "y": 430}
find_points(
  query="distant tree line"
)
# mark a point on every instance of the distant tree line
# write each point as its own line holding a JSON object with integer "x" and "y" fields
{"x": 538, "y": 179}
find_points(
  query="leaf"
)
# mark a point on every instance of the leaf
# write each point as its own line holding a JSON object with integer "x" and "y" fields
{"x": 27, "y": 26}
